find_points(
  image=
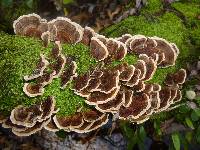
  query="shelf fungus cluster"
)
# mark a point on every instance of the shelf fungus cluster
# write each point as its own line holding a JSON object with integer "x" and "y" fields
{"x": 81, "y": 122}
{"x": 123, "y": 89}
{"x": 25, "y": 121}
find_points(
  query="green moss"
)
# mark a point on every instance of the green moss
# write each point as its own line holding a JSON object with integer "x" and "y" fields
{"x": 81, "y": 56}
{"x": 19, "y": 56}
{"x": 152, "y": 6}
{"x": 191, "y": 10}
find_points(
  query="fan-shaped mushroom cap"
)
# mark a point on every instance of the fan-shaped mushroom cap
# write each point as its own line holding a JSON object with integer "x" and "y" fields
{"x": 81, "y": 122}
{"x": 30, "y": 25}
{"x": 88, "y": 33}
{"x": 90, "y": 126}
{"x": 19, "y": 115}
{"x": 68, "y": 74}
{"x": 92, "y": 115}
{"x": 47, "y": 108}
{"x": 139, "y": 105}
{"x": 109, "y": 81}
{"x": 98, "y": 50}
{"x": 178, "y": 96}
{"x": 176, "y": 78}
{"x": 148, "y": 88}
{"x": 112, "y": 46}
{"x": 62, "y": 122}
{"x": 170, "y": 51}
{"x": 165, "y": 97}
{"x": 41, "y": 66}
{"x": 28, "y": 117}
{"x": 89, "y": 119}
{"x": 140, "y": 44}
{"x": 46, "y": 78}
{"x": 25, "y": 116}
{"x": 8, "y": 124}
{"x": 112, "y": 105}
{"x": 69, "y": 122}
{"x": 59, "y": 65}
{"x": 37, "y": 127}
{"x": 139, "y": 87}
{"x": 154, "y": 103}
{"x": 128, "y": 97}
{"x": 134, "y": 79}
{"x": 81, "y": 81}
{"x": 120, "y": 52}
{"x": 136, "y": 43}
{"x": 51, "y": 126}
{"x": 33, "y": 90}
{"x": 166, "y": 51}
{"x": 161, "y": 57}
{"x": 100, "y": 97}
{"x": 83, "y": 93}
{"x": 173, "y": 95}
{"x": 66, "y": 30}
{"x": 124, "y": 38}
{"x": 99, "y": 123}
{"x": 155, "y": 100}
{"x": 45, "y": 38}
{"x": 93, "y": 85}
{"x": 142, "y": 66}
{"x": 102, "y": 38}
{"x": 127, "y": 73}
{"x": 151, "y": 66}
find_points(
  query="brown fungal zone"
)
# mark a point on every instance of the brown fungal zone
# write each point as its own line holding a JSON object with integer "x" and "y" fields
{"x": 66, "y": 30}
{"x": 88, "y": 33}
{"x": 166, "y": 52}
{"x": 176, "y": 79}
{"x": 121, "y": 90}
{"x": 25, "y": 121}
{"x": 30, "y": 25}
{"x": 82, "y": 122}
{"x": 127, "y": 93}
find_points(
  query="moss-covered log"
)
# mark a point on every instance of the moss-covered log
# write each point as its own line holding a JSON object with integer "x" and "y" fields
{"x": 20, "y": 54}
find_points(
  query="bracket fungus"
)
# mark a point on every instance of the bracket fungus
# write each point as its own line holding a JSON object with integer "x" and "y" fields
{"x": 81, "y": 122}
{"x": 122, "y": 89}
{"x": 30, "y": 25}
{"x": 25, "y": 121}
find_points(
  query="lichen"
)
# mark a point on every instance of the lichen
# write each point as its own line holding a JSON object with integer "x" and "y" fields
{"x": 152, "y": 6}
